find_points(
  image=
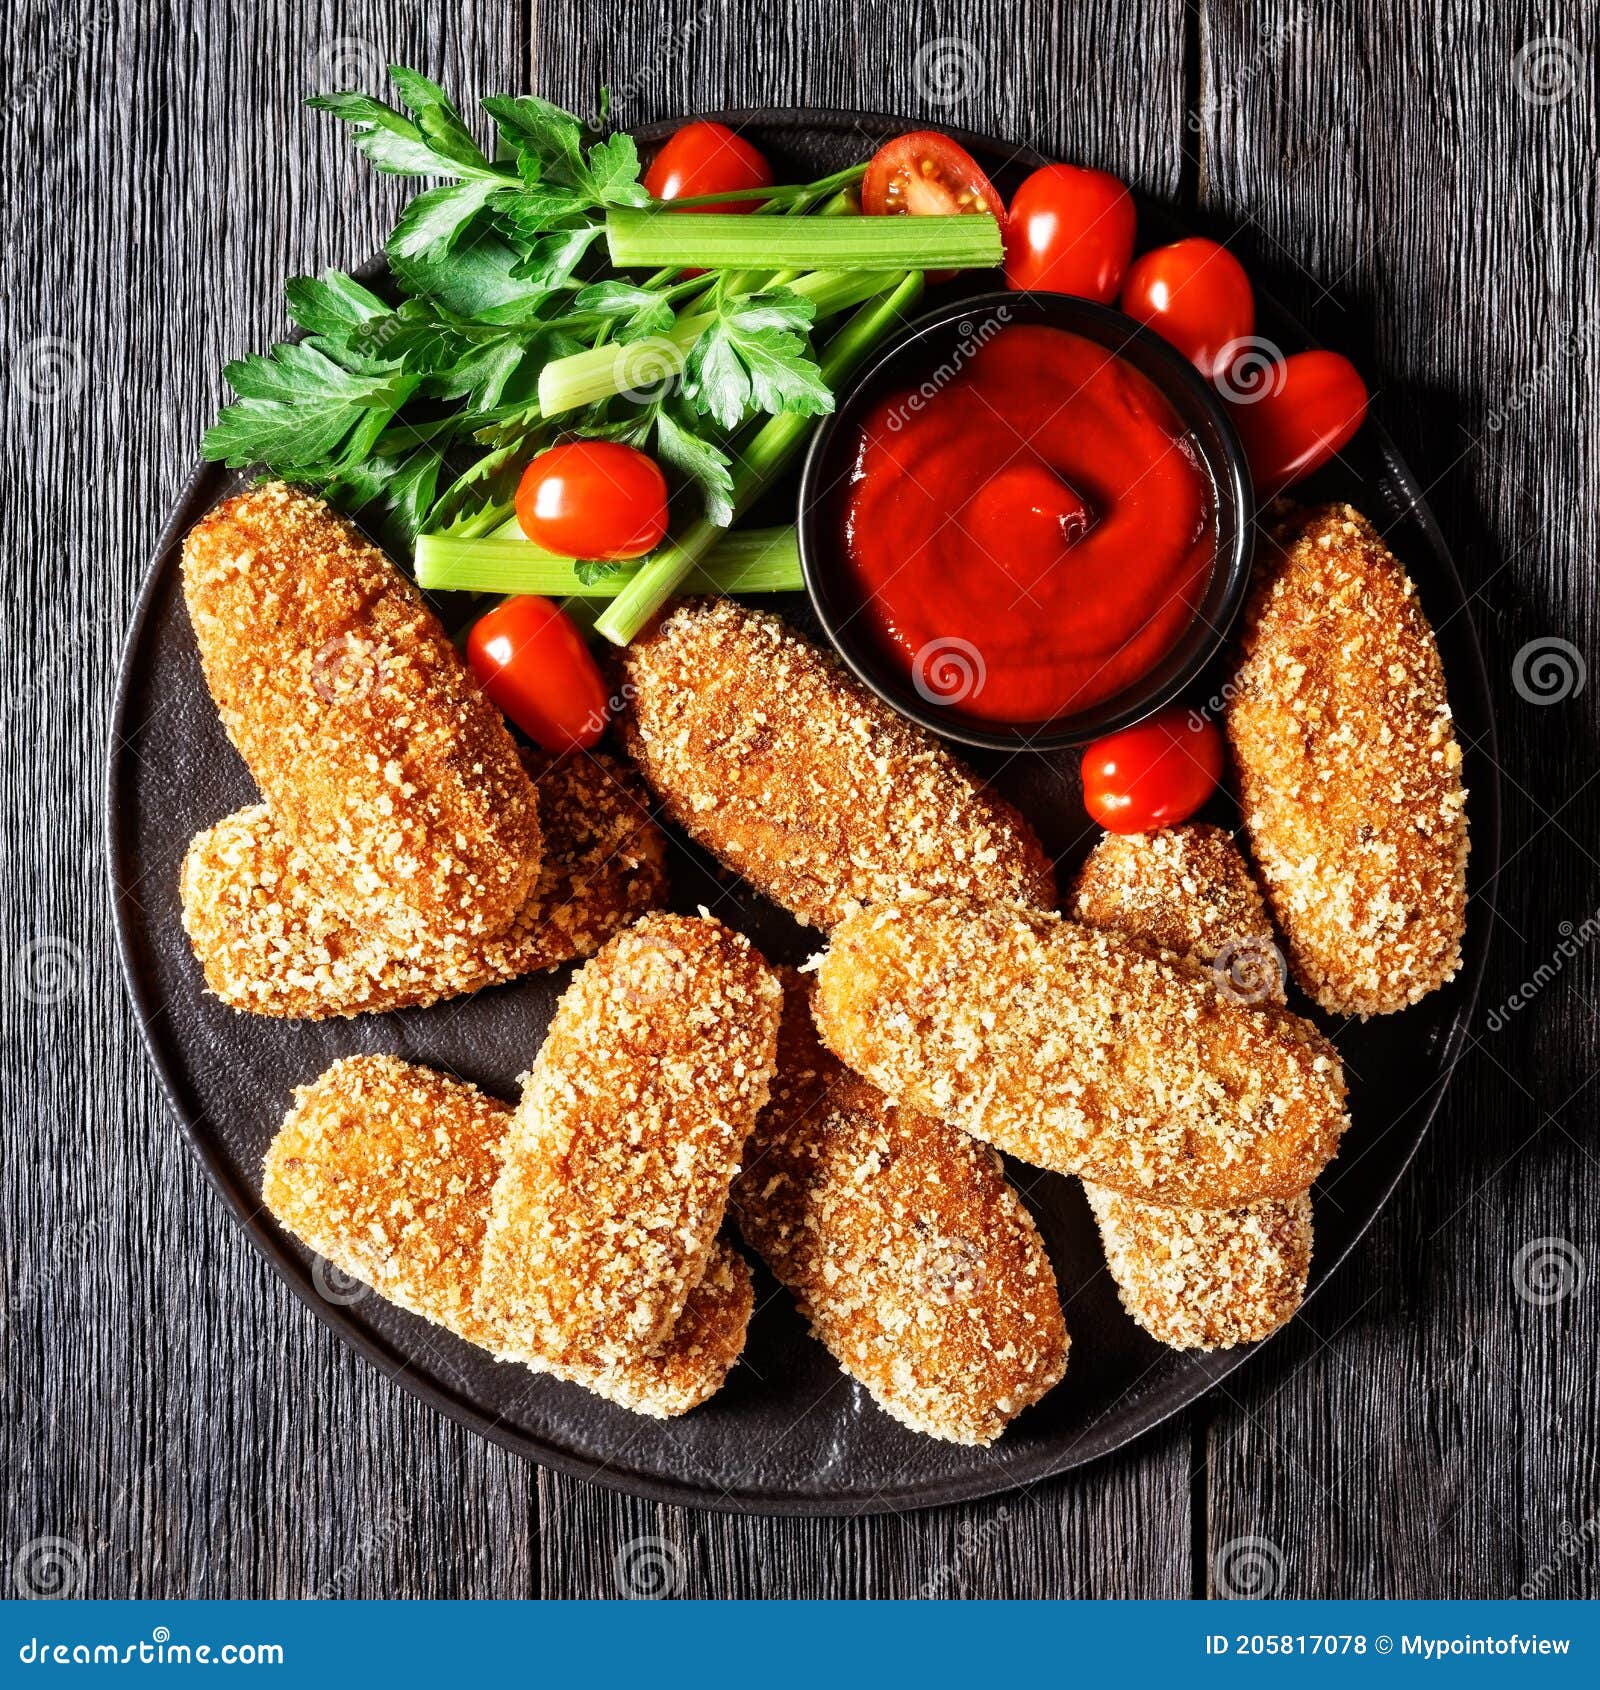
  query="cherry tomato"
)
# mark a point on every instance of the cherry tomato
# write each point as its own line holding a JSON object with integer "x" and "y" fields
{"x": 1195, "y": 294}
{"x": 926, "y": 174}
{"x": 1306, "y": 410}
{"x": 1070, "y": 231}
{"x": 1155, "y": 774}
{"x": 593, "y": 499}
{"x": 536, "y": 669}
{"x": 707, "y": 158}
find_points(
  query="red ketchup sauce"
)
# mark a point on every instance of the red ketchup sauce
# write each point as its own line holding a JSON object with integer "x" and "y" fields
{"x": 1032, "y": 536}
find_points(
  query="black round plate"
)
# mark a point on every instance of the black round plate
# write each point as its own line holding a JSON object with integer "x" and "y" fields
{"x": 789, "y": 1434}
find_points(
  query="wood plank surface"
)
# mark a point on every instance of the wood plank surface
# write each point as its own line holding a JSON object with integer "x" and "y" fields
{"x": 1419, "y": 183}
{"x": 1414, "y": 180}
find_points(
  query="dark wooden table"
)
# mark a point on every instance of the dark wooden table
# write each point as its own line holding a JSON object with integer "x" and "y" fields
{"x": 1418, "y": 181}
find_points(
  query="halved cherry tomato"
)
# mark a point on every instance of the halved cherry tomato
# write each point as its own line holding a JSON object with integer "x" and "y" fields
{"x": 593, "y": 499}
{"x": 1070, "y": 230}
{"x": 1308, "y": 409}
{"x": 1155, "y": 774}
{"x": 536, "y": 669}
{"x": 1195, "y": 294}
{"x": 926, "y": 174}
{"x": 707, "y": 158}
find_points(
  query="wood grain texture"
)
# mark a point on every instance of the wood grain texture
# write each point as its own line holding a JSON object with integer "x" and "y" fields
{"x": 1426, "y": 198}
{"x": 175, "y": 1417}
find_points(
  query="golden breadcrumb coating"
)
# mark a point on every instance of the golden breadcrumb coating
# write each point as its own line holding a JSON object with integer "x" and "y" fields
{"x": 914, "y": 1261}
{"x": 1187, "y": 890}
{"x": 796, "y": 777}
{"x": 385, "y": 1169}
{"x": 366, "y": 733}
{"x": 1081, "y": 1051}
{"x": 1196, "y": 1279}
{"x": 1206, "y": 1280}
{"x": 631, "y": 1126}
{"x": 1349, "y": 770}
{"x": 271, "y": 944}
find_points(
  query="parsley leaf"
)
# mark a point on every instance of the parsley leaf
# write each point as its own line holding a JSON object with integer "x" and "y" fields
{"x": 297, "y": 406}
{"x": 703, "y": 463}
{"x": 754, "y": 356}
{"x": 434, "y": 221}
{"x": 639, "y": 311}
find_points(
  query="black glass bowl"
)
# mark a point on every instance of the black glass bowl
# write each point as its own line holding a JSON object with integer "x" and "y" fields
{"x": 943, "y": 341}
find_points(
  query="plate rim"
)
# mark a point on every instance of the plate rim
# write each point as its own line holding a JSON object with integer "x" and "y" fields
{"x": 1211, "y": 1368}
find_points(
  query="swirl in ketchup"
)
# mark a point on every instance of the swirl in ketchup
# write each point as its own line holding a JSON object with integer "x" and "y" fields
{"x": 1044, "y": 507}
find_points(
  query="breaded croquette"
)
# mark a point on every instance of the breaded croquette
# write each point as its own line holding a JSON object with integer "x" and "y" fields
{"x": 271, "y": 944}
{"x": 1349, "y": 769}
{"x": 386, "y": 1169}
{"x": 1196, "y": 1279}
{"x": 1080, "y": 1051}
{"x": 1185, "y": 890}
{"x": 632, "y": 1123}
{"x": 373, "y": 747}
{"x": 795, "y": 776}
{"x": 914, "y": 1261}
{"x": 1206, "y": 1280}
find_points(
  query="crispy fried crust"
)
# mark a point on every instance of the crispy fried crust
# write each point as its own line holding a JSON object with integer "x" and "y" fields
{"x": 373, "y": 748}
{"x": 1201, "y": 1280}
{"x": 271, "y": 944}
{"x": 1194, "y": 1279}
{"x": 800, "y": 780}
{"x": 631, "y": 1126}
{"x": 1349, "y": 770}
{"x": 385, "y": 1170}
{"x": 1080, "y": 1051}
{"x": 914, "y": 1261}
